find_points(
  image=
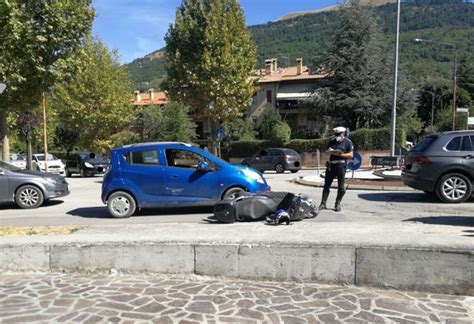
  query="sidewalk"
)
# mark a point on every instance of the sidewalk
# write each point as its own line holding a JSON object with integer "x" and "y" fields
{"x": 409, "y": 256}
{"x": 363, "y": 179}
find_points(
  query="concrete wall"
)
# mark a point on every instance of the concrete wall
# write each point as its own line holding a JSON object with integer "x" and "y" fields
{"x": 441, "y": 271}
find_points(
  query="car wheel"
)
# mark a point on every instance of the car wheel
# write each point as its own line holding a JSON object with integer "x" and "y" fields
{"x": 121, "y": 205}
{"x": 454, "y": 188}
{"x": 279, "y": 168}
{"x": 82, "y": 173}
{"x": 232, "y": 193}
{"x": 68, "y": 173}
{"x": 28, "y": 197}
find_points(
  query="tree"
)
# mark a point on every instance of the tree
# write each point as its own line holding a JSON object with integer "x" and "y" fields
{"x": 360, "y": 89}
{"x": 170, "y": 123}
{"x": 96, "y": 103}
{"x": 240, "y": 129}
{"x": 269, "y": 120}
{"x": 41, "y": 43}
{"x": 281, "y": 133}
{"x": 210, "y": 59}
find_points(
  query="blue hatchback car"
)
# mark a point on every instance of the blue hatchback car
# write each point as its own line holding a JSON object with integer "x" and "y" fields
{"x": 166, "y": 175}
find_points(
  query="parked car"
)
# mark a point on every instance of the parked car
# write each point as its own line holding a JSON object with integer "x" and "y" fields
{"x": 172, "y": 175}
{"x": 442, "y": 165}
{"x": 86, "y": 164}
{"x": 18, "y": 160}
{"x": 29, "y": 189}
{"x": 278, "y": 159}
{"x": 55, "y": 165}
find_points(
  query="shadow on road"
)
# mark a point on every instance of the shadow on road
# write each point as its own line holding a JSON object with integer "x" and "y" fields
{"x": 398, "y": 197}
{"x": 49, "y": 203}
{"x": 445, "y": 220}
{"x": 102, "y": 212}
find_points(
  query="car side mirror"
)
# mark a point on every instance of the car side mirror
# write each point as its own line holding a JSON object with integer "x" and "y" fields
{"x": 203, "y": 166}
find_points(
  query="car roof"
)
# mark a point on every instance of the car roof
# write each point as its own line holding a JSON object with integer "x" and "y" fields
{"x": 459, "y": 132}
{"x": 152, "y": 144}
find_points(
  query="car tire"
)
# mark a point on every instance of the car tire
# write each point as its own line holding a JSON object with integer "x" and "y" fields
{"x": 82, "y": 173}
{"x": 232, "y": 193}
{"x": 279, "y": 168}
{"x": 454, "y": 188}
{"x": 68, "y": 173}
{"x": 29, "y": 197}
{"x": 121, "y": 205}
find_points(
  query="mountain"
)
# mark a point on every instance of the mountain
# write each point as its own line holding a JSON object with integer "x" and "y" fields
{"x": 309, "y": 35}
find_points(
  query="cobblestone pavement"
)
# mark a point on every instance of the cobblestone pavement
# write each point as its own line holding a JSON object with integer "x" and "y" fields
{"x": 158, "y": 299}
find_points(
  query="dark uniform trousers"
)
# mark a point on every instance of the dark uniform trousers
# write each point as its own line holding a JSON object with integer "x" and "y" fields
{"x": 335, "y": 170}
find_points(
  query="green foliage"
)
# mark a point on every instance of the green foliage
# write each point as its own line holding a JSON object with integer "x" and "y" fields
{"x": 409, "y": 125}
{"x": 66, "y": 137}
{"x": 125, "y": 137}
{"x": 95, "y": 103}
{"x": 170, "y": 123}
{"x": 148, "y": 72}
{"x": 445, "y": 120}
{"x": 363, "y": 139}
{"x": 360, "y": 90}
{"x": 281, "y": 133}
{"x": 239, "y": 129}
{"x": 210, "y": 58}
{"x": 269, "y": 120}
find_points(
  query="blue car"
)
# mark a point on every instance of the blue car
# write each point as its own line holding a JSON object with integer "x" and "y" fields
{"x": 167, "y": 175}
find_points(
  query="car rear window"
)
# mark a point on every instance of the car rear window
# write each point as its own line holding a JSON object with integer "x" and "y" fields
{"x": 291, "y": 152}
{"x": 148, "y": 157}
{"x": 424, "y": 144}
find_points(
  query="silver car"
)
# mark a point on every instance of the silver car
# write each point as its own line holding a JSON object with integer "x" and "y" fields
{"x": 29, "y": 189}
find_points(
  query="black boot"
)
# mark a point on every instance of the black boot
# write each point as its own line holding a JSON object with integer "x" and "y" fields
{"x": 322, "y": 206}
{"x": 338, "y": 206}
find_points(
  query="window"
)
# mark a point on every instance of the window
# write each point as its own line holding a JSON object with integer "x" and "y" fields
{"x": 424, "y": 144}
{"x": 269, "y": 96}
{"x": 454, "y": 144}
{"x": 149, "y": 157}
{"x": 183, "y": 159}
{"x": 275, "y": 153}
{"x": 466, "y": 144}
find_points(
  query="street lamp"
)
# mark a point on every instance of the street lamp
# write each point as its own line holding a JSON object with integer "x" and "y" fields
{"x": 395, "y": 86}
{"x": 453, "y": 46}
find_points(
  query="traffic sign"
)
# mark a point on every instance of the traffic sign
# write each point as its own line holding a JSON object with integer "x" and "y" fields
{"x": 356, "y": 162}
{"x": 219, "y": 133}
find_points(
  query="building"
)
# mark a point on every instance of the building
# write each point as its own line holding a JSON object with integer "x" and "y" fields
{"x": 151, "y": 97}
{"x": 288, "y": 89}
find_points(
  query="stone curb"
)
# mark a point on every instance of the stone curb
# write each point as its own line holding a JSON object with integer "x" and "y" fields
{"x": 355, "y": 187}
{"x": 436, "y": 270}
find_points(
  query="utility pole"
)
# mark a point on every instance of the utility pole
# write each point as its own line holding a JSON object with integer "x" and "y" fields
{"x": 395, "y": 87}
{"x": 455, "y": 86}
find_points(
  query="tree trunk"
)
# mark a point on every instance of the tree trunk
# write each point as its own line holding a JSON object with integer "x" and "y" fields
{"x": 4, "y": 135}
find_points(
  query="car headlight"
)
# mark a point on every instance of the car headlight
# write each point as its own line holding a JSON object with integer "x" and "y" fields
{"x": 253, "y": 176}
{"x": 51, "y": 180}
{"x": 88, "y": 165}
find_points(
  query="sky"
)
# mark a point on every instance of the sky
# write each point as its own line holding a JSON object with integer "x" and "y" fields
{"x": 137, "y": 27}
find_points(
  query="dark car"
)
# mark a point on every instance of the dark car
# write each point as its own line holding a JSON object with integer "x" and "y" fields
{"x": 29, "y": 189}
{"x": 278, "y": 159}
{"x": 86, "y": 164}
{"x": 442, "y": 165}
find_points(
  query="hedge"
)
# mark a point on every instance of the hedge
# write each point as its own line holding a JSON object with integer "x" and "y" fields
{"x": 363, "y": 139}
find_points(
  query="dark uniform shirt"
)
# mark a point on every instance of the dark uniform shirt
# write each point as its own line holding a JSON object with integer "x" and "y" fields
{"x": 345, "y": 146}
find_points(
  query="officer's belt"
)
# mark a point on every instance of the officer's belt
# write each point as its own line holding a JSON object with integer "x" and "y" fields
{"x": 337, "y": 161}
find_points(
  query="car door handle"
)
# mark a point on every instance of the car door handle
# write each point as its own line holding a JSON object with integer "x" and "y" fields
{"x": 468, "y": 157}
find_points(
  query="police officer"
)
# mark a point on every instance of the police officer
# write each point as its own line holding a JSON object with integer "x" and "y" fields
{"x": 340, "y": 149}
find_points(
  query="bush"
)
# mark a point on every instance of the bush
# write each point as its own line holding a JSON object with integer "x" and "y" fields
{"x": 280, "y": 133}
{"x": 363, "y": 139}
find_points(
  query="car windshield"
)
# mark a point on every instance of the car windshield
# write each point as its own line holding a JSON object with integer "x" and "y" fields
{"x": 17, "y": 157}
{"x": 40, "y": 157}
{"x": 8, "y": 166}
{"x": 92, "y": 156}
{"x": 424, "y": 144}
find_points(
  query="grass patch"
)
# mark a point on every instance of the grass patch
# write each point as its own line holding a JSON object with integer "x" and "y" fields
{"x": 44, "y": 230}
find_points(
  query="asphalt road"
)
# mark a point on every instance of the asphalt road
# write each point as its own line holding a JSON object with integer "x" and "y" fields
{"x": 84, "y": 207}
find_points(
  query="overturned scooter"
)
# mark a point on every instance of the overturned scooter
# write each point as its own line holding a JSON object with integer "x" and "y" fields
{"x": 274, "y": 207}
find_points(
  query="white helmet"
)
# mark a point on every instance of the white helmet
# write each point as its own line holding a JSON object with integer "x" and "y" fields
{"x": 339, "y": 130}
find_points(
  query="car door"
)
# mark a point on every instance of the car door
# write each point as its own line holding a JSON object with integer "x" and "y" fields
{"x": 260, "y": 160}
{"x": 273, "y": 158}
{"x": 468, "y": 153}
{"x": 4, "y": 195}
{"x": 143, "y": 174}
{"x": 185, "y": 184}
